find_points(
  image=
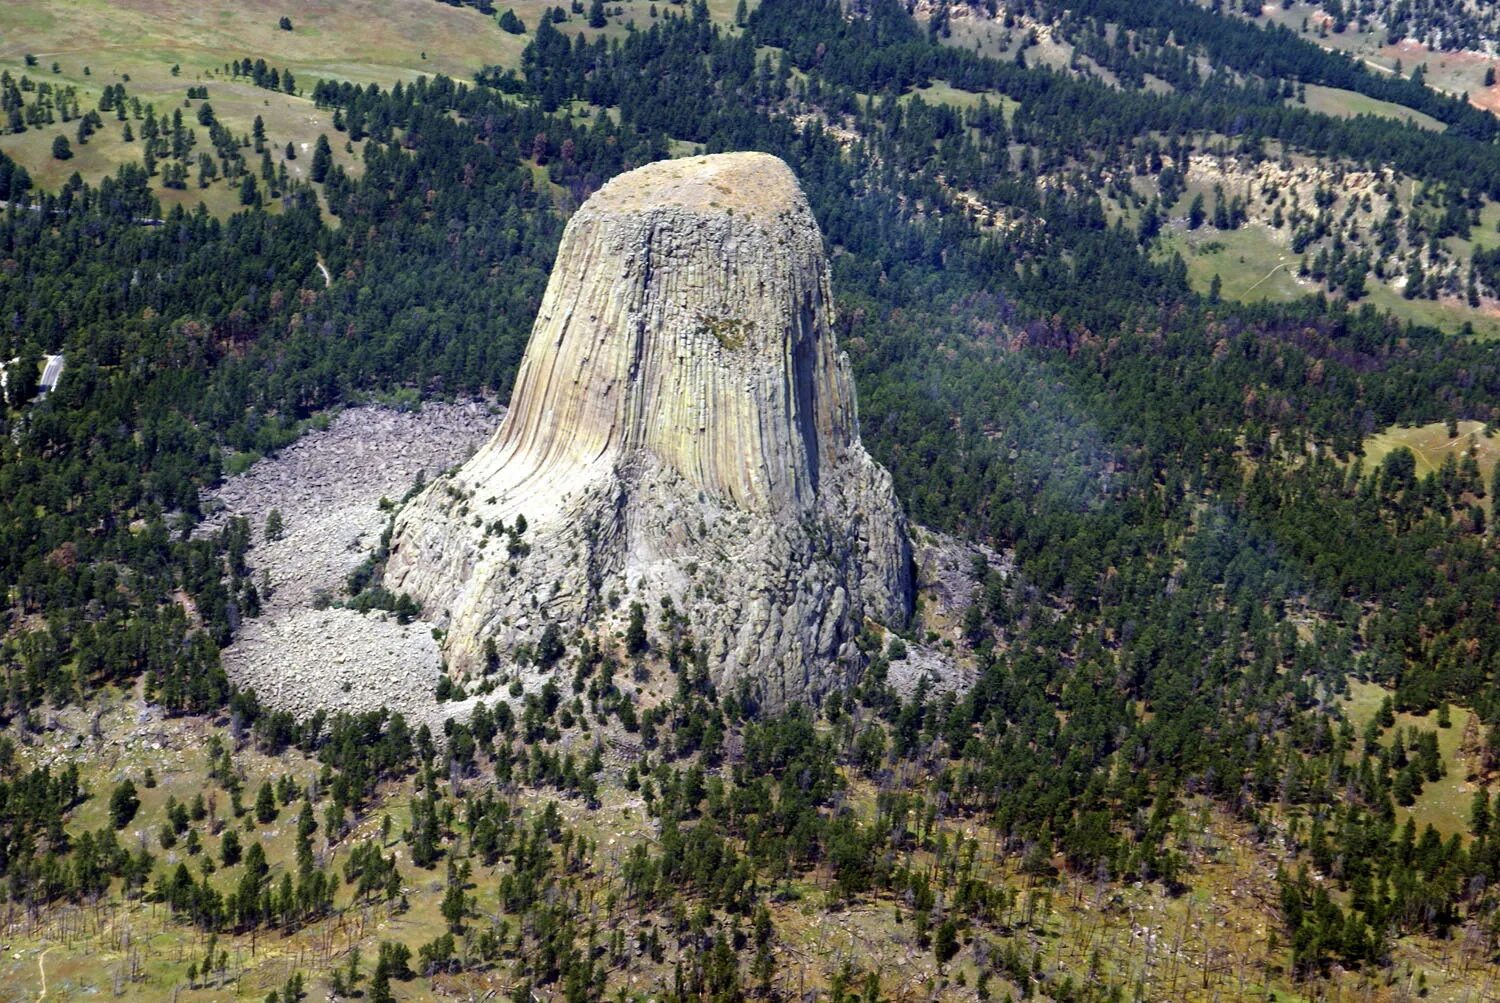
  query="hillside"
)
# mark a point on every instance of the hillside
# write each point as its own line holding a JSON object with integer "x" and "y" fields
{"x": 1169, "y": 332}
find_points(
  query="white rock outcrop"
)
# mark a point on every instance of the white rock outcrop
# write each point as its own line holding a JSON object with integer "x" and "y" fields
{"x": 682, "y": 429}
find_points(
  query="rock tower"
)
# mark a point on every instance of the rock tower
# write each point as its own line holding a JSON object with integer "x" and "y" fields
{"x": 682, "y": 430}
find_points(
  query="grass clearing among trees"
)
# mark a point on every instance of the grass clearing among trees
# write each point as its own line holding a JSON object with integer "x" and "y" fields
{"x": 1253, "y": 266}
{"x": 1430, "y": 444}
{"x": 1348, "y": 104}
{"x": 1444, "y": 803}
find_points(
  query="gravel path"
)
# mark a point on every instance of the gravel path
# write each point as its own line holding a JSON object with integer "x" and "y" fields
{"x": 328, "y": 486}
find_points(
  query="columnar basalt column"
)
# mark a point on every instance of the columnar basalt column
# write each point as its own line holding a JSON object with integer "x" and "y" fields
{"x": 682, "y": 428}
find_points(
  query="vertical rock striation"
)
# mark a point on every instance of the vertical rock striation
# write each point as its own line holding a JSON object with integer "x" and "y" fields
{"x": 683, "y": 428}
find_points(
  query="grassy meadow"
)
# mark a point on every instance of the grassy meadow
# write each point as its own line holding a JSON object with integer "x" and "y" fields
{"x": 1350, "y": 104}
{"x": 159, "y": 49}
{"x": 1431, "y": 444}
{"x": 1253, "y": 265}
{"x": 1445, "y": 803}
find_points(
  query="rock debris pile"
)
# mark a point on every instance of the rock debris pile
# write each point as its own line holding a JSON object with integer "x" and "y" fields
{"x": 328, "y": 486}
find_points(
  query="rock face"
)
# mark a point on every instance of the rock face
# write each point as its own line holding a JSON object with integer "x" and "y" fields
{"x": 683, "y": 429}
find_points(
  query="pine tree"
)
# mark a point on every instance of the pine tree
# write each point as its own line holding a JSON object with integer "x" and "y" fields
{"x": 455, "y": 903}
{"x": 123, "y": 804}
{"x": 380, "y": 985}
{"x": 635, "y": 633}
{"x": 945, "y": 945}
{"x": 265, "y": 804}
{"x": 229, "y": 848}
{"x": 1406, "y": 788}
{"x": 322, "y": 159}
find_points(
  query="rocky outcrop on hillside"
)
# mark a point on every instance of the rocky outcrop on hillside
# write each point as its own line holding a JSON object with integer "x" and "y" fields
{"x": 301, "y": 654}
{"x": 683, "y": 436}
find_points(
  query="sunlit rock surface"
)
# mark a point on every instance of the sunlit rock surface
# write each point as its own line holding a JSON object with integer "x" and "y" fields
{"x": 682, "y": 427}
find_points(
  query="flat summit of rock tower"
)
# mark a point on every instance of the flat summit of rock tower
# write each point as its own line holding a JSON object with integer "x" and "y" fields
{"x": 682, "y": 434}
{"x": 757, "y": 185}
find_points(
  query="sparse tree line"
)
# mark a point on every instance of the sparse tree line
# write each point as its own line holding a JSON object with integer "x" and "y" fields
{"x": 1056, "y": 392}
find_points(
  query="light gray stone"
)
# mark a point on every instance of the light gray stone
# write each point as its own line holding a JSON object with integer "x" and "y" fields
{"x": 683, "y": 427}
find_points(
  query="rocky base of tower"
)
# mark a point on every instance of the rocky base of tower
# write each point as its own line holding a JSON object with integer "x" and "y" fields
{"x": 766, "y": 606}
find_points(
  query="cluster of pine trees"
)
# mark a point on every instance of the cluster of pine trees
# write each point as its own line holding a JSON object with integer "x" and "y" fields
{"x": 1174, "y": 478}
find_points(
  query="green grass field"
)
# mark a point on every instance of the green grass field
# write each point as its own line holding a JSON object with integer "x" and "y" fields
{"x": 1430, "y": 444}
{"x": 1253, "y": 266}
{"x": 377, "y": 41}
{"x": 1250, "y": 265}
{"x": 942, "y": 92}
{"x": 366, "y": 40}
{"x": 287, "y": 118}
{"x": 1348, "y": 104}
{"x": 158, "y": 49}
{"x": 1447, "y": 315}
{"x": 1444, "y": 803}
{"x": 96, "y": 44}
